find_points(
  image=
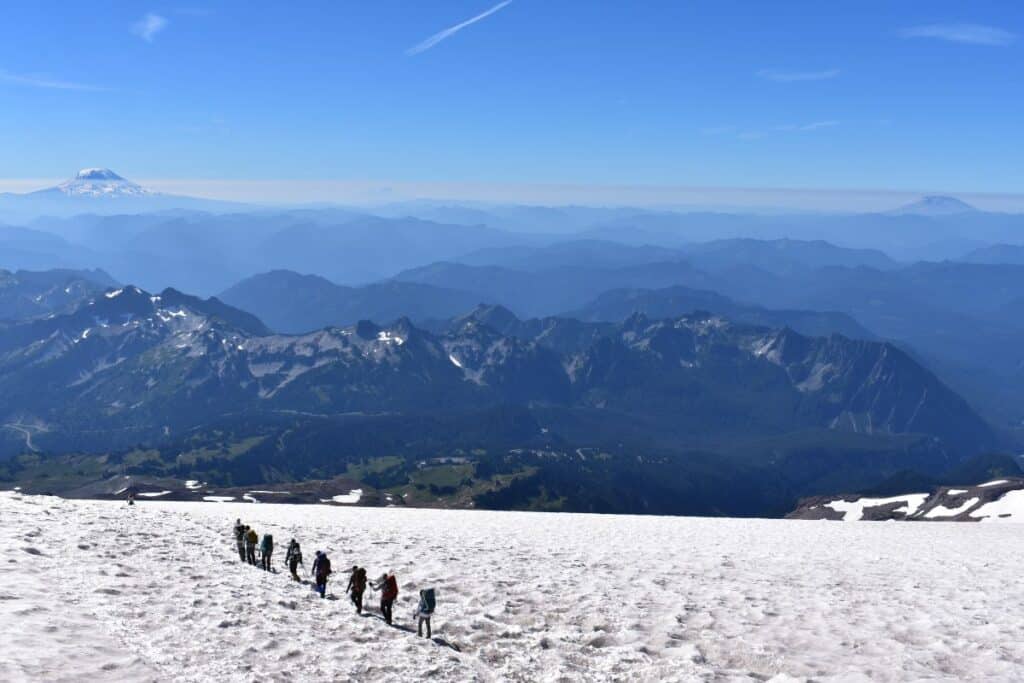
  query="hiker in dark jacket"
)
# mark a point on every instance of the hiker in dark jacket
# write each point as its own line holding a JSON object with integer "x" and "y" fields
{"x": 293, "y": 558}
{"x": 251, "y": 539}
{"x": 321, "y": 570}
{"x": 356, "y": 587}
{"x": 424, "y": 611}
{"x": 240, "y": 539}
{"x": 387, "y": 584}
{"x": 266, "y": 550}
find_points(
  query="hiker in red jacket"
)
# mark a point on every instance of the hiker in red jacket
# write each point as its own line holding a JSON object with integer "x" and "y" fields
{"x": 387, "y": 584}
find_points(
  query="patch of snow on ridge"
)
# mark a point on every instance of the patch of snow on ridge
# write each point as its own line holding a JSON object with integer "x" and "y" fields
{"x": 956, "y": 492}
{"x": 941, "y": 511}
{"x": 218, "y": 499}
{"x": 350, "y": 498}
{"x": 1008, "y": 508}
{"x": 997, "y": 482}
{"x": 454, "y": 360}
{"x": 854, "y": 511}
{"x": 388, "y": 338}
{"x": 154, "y": 494}
{"x": 193, "y": 484}
{"x": 114, "y": 294}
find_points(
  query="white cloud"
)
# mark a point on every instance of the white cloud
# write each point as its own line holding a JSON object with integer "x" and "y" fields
{"x": 972, "y": 34}
{"x": 150, "y": 25}
{"x": 814, "y": 125}
{"x": 36, "y": 81}
{"x": 452, "y": 30}
{"x": 780, "y": 76}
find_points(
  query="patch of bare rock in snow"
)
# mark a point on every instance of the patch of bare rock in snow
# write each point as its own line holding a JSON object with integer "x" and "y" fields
{"x": 99, "y": 591}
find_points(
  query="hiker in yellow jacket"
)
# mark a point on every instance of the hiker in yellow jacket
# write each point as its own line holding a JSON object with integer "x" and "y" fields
{"x": 251, "y": 539}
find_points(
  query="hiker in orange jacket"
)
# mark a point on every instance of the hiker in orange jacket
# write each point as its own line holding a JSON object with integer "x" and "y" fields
{"x": 387, "y": 584}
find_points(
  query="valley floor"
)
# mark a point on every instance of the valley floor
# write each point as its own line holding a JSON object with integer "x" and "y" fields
{"x": 100, "y": 591}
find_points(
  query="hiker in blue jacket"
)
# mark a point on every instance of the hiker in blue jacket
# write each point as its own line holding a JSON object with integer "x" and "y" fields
{"x": 321, "y": 570}
{"x": 425, "y": 610}
{"x": 266, "y": 550}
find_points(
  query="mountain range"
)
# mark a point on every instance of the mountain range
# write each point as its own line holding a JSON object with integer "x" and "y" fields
{"x": 175, "y": 385}
{"x": 551, "y": 357}
{"x": 147, "y": 364}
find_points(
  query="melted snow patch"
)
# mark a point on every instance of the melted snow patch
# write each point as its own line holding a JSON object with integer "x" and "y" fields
{"x": 1009, "y": 508}
{"x": 853, "y": 511}
{"x": 942, "y": 511}
{"x": 350, "y": 498}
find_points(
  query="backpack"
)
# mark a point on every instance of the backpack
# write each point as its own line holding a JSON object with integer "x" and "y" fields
{"x": 323, "y": 567}
{"x": 428, "y": 601}
{"x": 268, "y": 542}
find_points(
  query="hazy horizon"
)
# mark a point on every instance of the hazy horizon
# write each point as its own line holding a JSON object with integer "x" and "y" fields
{"x": 670, "y": 198}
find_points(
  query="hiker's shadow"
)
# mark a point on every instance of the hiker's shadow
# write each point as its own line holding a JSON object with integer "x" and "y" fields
{"x": 397, "y": 627}
{"x": 444, "y": 643}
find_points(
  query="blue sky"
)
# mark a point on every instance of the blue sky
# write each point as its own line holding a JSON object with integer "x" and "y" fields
{"x": 813, "y": 95}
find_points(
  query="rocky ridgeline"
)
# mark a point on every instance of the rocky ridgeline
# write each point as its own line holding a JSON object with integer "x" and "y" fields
{"x": 337, "y": 491}
{"x": 996, "y": 500}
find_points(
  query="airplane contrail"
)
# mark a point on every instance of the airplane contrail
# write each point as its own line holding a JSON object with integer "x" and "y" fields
{"x": 452, "y": 30}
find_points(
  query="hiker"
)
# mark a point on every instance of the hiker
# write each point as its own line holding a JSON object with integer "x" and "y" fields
{"x": 240, "y": 539}
{"x": 293, "y": 558}
{"x": 131, "y": 497}
{"x": 251, "y": 539}
{"x": 425, "y": 610}
{"x": 356, "y": 587}
{"x": 266, "y": 550}
{"x": 387, "y": 584}
{"x": 321, "y": 570}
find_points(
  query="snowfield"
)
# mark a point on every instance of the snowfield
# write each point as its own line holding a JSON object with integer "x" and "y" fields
{"x": 101, "y": 591}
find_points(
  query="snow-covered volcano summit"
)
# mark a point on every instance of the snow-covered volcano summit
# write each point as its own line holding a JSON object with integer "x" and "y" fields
{"x": 99, "y": 182}
{"x": 936, "y": 205}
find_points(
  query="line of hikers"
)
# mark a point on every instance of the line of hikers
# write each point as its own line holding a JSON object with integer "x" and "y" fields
{"x": 249, "y": 542}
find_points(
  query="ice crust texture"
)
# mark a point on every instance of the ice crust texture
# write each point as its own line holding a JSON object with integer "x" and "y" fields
{"x": 101, "y": 591}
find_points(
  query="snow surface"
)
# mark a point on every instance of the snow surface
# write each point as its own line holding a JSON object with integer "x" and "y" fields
{"x": 854, "y": 510}
{"x": 155, "y": 592}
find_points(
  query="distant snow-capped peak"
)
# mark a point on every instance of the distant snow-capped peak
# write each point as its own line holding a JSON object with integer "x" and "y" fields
{"x": 936, "y": 205}
{"x": 100, "y": 182}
